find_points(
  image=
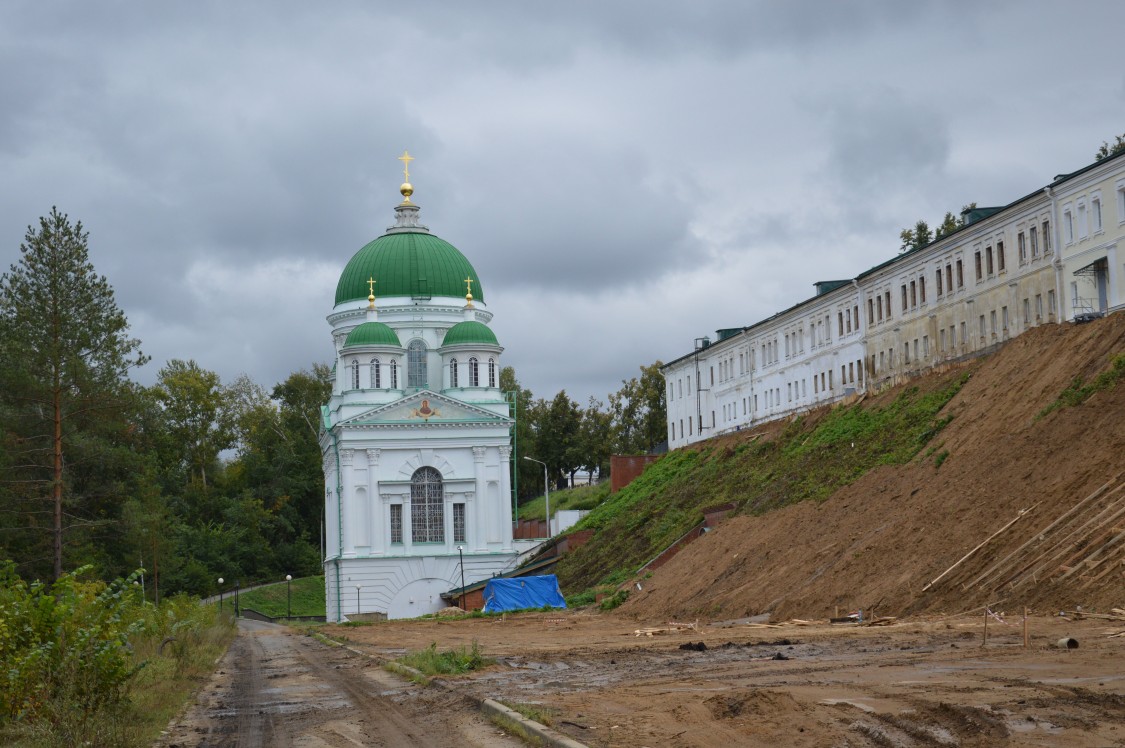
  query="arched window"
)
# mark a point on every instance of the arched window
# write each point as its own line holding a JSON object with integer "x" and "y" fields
{"x": 452, "y": 372}
{"x": 474, "y": 375}
{"x": 427, "y": 506}
{"x": 394, "y": 374}
{"x": 355, "y": 374}
{"x": 376, "y": 375}
{"x": 491, "y": 372}
{"x": 416, "y": 365}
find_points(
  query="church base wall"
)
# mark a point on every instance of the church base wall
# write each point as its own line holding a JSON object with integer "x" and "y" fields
{"x": 402, "y": 587}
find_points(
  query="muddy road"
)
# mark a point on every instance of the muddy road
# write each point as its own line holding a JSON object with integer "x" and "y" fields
{"x": 279, "y": 687}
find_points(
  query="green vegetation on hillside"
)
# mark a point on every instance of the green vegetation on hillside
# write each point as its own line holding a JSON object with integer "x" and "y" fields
{"x": 808, "y": 460}
{"x": 308, "y": 598}
{"x": 90, "y": 663}
{"x": 1079, "y": 391}
{"x": 579, "y": 497}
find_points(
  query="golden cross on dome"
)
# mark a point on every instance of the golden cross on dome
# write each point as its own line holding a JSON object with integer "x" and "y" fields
{"x": 406, "y": 158}
{"x": 371, "y": 292}
{"x": 469, "y": 291}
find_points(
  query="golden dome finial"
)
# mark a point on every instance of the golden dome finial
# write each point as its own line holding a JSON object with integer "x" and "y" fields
{"x": 469, "y": 291}
{"x": 407, "y": 189}
{"x": 371, "y": 292}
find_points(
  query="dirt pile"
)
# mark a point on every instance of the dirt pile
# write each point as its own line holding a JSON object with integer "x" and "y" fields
{"x": 877, "y": 543}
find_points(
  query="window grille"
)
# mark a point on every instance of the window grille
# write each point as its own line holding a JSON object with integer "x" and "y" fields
{"x": 376, "y": 375}
{"x": 474, "y": 373}
{"x": 492, "y": 372}
{"x": 458, "y": 523}
{"x": 427, "y": 506}
{"x": 396, "y": 523}
{"x": 452, "y": 372}
{"x": 394, "y": 374}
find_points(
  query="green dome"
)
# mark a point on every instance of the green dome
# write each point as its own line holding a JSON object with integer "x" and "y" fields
{"x": 372, "y": 333}
{"x": 408, "y": 263}
{"x": 469, "y": 332}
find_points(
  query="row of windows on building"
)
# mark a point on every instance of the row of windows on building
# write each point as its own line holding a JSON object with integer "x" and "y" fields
{"x": 427, "y": 511}
{"x": 416, "y": 372}
{"x": 1079, "y": 222}
{"x": 474, "y": 372}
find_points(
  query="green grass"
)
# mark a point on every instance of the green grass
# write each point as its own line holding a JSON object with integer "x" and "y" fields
{"x": 808, "y": 461}
{"x": 580, "y": 497}
{"x": 308, "y": 598}
{"x": 431, "y": 661}
{"x": 541, "y": 714}
{"x": 1079, "y": 391}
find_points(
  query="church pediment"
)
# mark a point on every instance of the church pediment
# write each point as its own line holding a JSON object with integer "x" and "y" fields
{"x": 426, "y": 407}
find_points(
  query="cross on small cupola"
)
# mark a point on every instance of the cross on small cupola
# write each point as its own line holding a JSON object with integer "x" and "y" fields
{"x": 469, "y": 292}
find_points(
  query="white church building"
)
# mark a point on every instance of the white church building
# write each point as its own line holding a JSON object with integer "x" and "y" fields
{"x": 416, "y": 437}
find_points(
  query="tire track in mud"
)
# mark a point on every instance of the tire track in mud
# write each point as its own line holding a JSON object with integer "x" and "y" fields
{"x": 276, "y": 687}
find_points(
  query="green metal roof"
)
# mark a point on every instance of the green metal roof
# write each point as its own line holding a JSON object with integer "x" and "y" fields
{"x": 372, "y": 333}
{"x": 469, "y": 332}
{"x": 408, "y": 263}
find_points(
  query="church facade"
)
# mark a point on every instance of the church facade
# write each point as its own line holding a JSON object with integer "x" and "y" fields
{"x": 416, "y": 436}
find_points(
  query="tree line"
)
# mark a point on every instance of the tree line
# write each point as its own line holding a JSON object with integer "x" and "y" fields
{"x": 194, "y": 478}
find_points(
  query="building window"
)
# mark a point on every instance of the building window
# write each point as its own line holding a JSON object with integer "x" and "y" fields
{"x": 1039, "y": 306}
{"x": 1121, "y": 202}
{"x": 964, "y": 333}
{"x": 459, "y": 523}
{"x": 937, "y": 278}
{"x": 1068, "y": 226}
{"x": 452, "y": 372}
{"x": 1000, "y": 262}
{"x": 1083, "y": 222}
{"x": 992, "y": 322}
{"x": 416, "y": 365}
{"x": 1033, "y": 240}
{"x": 492, "y": 373}
{"x": 1021, "y": 247}
{"x": 394, "y": 374}
{"x": 979, "y": 265}
{"x": 841, "y": 318}
{"x": 1004, "y": 318}
{"x": 982, "y": 329}
{"x": 376, "y": 374}
{"x": 949, "y": 278}
{"x": 396, "y": 523}
{"x": 870, "y": 312}
{"x": 988, "y": 260}
{"x": 1047, "y": 237}
{"x": 888, "y": 297}
{"x": 474, "y": 373}
{"x": 960, "y": 275}
{"x": 904, "y": 304}
{"x": 1050, "y": 303}
{"x": 1027, "y": 312}
{"x": 941, "y": 340}
{"x": 427, "y": 506}
{"x": 1096, "y": 212}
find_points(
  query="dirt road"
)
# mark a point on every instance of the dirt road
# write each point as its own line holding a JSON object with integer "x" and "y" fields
{"x": 923, "y": 682}
{"x": 278, "y": 687}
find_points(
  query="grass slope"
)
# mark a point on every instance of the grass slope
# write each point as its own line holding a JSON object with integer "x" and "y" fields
{"x": 806, "y": 460}
{"x": 308, "y": 598}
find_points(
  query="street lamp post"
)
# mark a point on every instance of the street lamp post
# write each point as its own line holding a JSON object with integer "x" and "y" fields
{"x": 357, "y": 599}
{"x": 288, "y": 597}
{"x": 546, "y": 492}
{"x": 461, "y": 554}
{"x": 220, "y": 594}
{"x": 237, "y": 585}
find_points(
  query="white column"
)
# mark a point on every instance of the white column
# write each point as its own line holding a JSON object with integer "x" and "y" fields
{"x": 348, "y": 501}
{"x": 477, "y": 535}
{"x": 505, "y": 507}
{"x": 379, "y": 512}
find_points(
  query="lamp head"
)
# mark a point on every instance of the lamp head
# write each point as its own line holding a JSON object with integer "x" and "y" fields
{"x": 288, "y": 577}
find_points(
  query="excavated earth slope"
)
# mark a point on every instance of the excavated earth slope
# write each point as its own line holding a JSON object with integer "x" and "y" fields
{"x": 879, "y": 542}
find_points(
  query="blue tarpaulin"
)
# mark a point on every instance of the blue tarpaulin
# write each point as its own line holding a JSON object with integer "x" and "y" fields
{"x": 522, "y": 592}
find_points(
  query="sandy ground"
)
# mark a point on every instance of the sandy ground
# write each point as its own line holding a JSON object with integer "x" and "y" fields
{"x": 279, "y": 687}
{"x": 924, "y": 682}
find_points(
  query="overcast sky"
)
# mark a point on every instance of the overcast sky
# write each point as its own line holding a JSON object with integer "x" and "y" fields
{"x": 624, "y": 176}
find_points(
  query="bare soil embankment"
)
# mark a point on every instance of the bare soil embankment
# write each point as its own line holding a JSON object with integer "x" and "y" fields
{"x": 877, "y": 542}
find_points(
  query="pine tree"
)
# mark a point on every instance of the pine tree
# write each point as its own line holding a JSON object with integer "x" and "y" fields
{"x": 65, "y": 353}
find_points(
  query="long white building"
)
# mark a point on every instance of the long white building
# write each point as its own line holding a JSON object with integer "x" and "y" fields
{"x": 1049, "y": 257}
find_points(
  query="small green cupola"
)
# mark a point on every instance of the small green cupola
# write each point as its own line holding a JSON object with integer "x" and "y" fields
{"x": 372, "y": 333}
{"x": 470, "y": 333}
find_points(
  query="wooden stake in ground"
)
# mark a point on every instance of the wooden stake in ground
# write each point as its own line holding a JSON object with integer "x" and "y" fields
{"x": 983, "y": 543}
{"x": 984, "y": 643}
{"x": 1025, "y": 639}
